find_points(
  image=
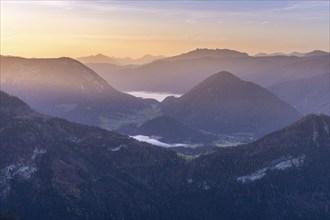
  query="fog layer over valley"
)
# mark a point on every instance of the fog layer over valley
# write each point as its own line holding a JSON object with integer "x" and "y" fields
{"x": 159, "y": 96}
{"x": 156, "y": 142}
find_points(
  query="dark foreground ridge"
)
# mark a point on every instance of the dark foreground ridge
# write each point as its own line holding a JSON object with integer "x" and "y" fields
{"x": 55, "y": 169}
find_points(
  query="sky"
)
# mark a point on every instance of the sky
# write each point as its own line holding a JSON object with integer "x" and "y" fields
{"x": 135, "y": 28}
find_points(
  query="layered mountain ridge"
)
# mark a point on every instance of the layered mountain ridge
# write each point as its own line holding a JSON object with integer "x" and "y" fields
{"x": 100, "y": 58}
{"x": 178, "y": 74}
{"x": 310, "y": 95}
{"x": 204, "y": 52}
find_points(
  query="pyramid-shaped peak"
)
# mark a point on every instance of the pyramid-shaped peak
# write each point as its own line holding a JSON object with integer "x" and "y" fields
{"x": 99, "y": 55}
{"x": 217, "y": 80}
{"x": 223, "y": 75}
{"x": 220, "y": 78}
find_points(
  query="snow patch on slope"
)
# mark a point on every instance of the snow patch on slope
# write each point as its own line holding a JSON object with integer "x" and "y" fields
{"x": 326, "y": 128}
{"x": 21, "y": 169}
{"x": 278, "y": 165}
{"x": 117, "y": 148}
{"x": 315, "y": 136}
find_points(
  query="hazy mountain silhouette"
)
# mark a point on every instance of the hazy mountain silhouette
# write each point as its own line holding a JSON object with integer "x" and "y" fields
{"x": 310, "y": 95}
{"x": 65, "y": 87}
{"x": 317, "y": 53}
{"x": 139, "y": 61}
{"x": 179, "y": 73}
{"x": 99, "y": 58}
{"x": 270, "y": 54}
{"x": 204, "y": 52}
{"x": 51, "y": 169}
{"x": 223, "y": 103}
{"x": 295, "y": 53}
{"x": 101, "y": 67}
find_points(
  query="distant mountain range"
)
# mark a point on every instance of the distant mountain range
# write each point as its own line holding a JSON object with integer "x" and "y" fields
{"x": 55, "y": 169}
{"x": 219, "y": 108}
{"x": 310, "y": 95}
{"x": 297, "y": 54}
{"x": 204, "y": 52}
{"x": 223, "y": 103}
{"x": 316, "y": 53}
{"x": 139, "y": 61}
{"x": 66, "y": 88}
{"x": 100, "y": 58}
{"x": 180, "y": 73}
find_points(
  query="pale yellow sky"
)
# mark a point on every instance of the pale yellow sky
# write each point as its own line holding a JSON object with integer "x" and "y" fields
{"x": 126, "y": 28}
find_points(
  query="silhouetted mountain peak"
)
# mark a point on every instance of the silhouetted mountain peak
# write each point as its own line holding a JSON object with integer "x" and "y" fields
{"x": 100, "y": 55}
{"x": 225, "y": 103}
{"x": 147, "y": 56}
{"x": 217, "y": 52}
{"x": 61, "y": 74}
{"x": 98, "y": 58}
{"x": 217, "y": 81}
{"x": 65, "y": 87}
{"x": 316, "y": 53}
{"x": 204, "y": 52}
{"x": 220, "y": 77}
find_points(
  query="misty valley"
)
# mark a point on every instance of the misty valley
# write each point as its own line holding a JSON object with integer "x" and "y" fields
{"x": 159, "y": 96}
{"x": 221, "y": 109}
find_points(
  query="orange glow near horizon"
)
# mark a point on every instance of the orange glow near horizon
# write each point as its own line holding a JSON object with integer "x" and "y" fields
{"x": 81, "y": 28}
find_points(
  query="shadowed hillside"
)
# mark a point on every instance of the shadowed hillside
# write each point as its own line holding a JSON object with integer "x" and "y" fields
{"x": 66, "y": 88}
{"x": 51, "y": 169}
{"x": 223, "y": 103}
